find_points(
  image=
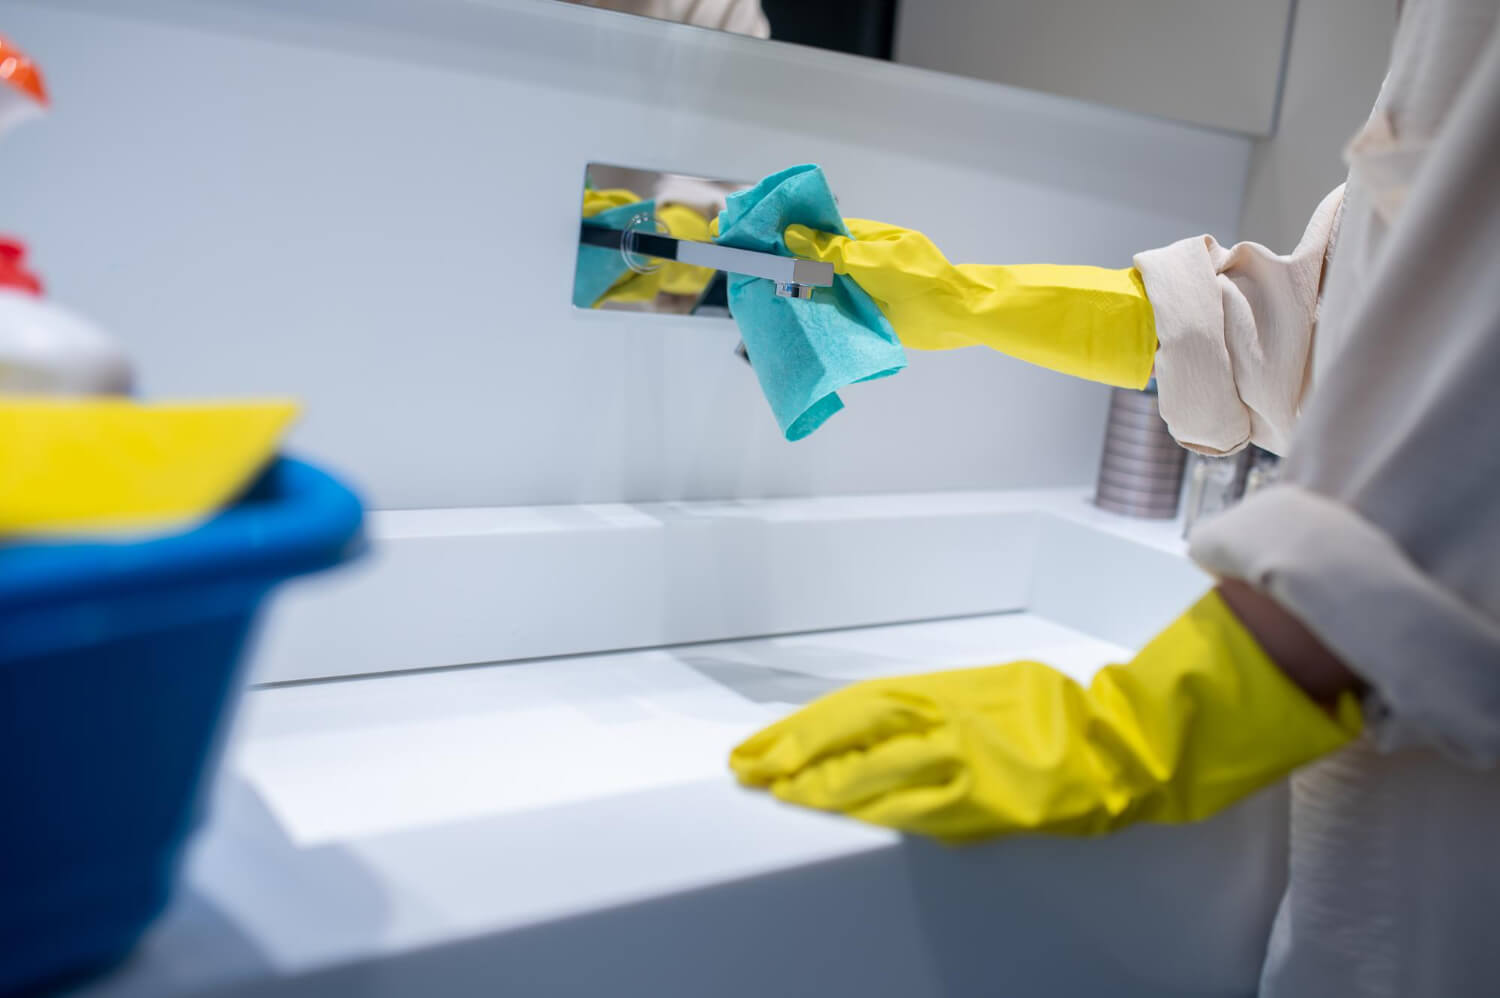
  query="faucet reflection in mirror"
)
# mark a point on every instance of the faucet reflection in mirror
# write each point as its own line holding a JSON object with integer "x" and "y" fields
{"x": 655, "y": 253}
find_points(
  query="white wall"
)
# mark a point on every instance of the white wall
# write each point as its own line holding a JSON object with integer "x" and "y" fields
{"x": 371, "y": 204}
{"x": 1336, "y": 60}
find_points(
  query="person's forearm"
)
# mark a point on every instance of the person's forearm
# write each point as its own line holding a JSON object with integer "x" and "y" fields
{"x": 1287, "y": 642}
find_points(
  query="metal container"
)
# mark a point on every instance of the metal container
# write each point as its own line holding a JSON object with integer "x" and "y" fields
{"x": 1140, "y": 471}
{"x": 1217, "y": 483}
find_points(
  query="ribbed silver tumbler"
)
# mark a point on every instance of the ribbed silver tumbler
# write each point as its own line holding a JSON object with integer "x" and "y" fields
{"x": 1140, "y": 473}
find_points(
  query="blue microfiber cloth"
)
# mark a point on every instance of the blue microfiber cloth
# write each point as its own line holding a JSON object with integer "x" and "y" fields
{"x": 803, "y": 351}
{"x": 599, "y": 268}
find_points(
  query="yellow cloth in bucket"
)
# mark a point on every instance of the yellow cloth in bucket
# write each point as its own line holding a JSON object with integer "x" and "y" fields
{"x": 106, "y": 464}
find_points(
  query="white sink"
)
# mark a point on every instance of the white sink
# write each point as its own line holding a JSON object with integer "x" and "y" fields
{"x": 567, "y": 826}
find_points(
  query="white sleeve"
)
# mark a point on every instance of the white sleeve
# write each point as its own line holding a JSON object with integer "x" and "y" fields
{"x": 1384, "y": 539}
{"x": 1234, "y": 332}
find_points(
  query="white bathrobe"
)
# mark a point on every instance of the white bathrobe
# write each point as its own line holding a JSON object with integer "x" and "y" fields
{"x": 1371, "y": 356}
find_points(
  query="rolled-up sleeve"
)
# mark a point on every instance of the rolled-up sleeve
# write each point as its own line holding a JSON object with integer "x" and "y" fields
{"x": 1234, "y": 334}
{"x": 1384, "y": 537}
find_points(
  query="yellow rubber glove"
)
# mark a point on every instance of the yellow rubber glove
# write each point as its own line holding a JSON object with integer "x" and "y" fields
{"x": 1085, "y": 321}
{"x": 94, "y": 464}
{"x": 1199, "y": 719}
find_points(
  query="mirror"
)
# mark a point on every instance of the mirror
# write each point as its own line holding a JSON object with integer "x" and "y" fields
{"x": 621, "y": 274}
{"x": 859, "y": 27}
{"x": 1168, "y": 58}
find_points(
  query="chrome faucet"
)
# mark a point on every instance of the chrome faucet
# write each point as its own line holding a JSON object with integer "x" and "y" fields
{"x": 794, "y": 278}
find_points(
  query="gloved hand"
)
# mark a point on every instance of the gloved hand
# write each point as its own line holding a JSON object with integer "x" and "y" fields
{"x": 1200, "y": 718}
{"x": 1084, "y": 321}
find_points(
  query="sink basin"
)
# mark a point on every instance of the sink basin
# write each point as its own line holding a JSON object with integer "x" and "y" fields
{"x": 566, "y": 825}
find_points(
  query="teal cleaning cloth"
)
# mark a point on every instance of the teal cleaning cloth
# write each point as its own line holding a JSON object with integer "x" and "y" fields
{"x": 803, "y": 350}
{"x": 599, "y": 268}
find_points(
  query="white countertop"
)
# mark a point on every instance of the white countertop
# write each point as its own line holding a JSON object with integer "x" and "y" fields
{"x": 462, "y": 586}
{"x": 568, "y": 827}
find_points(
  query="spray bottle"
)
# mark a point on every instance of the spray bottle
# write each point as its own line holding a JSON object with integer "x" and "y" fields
{"x": 44, "y": 348}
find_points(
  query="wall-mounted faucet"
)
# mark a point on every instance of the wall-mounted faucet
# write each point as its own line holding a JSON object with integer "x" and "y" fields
{"x": 794, "y": 278}
{"x": 632, "y": 237}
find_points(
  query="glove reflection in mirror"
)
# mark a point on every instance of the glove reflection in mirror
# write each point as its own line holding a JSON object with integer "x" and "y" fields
{"x": 669, "y": 276}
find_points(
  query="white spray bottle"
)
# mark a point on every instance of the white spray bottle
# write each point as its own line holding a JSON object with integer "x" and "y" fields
{"x": 44, "y": 348}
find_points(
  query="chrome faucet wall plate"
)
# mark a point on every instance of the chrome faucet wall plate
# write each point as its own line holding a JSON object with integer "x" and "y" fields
{"x": 644, "y": 246}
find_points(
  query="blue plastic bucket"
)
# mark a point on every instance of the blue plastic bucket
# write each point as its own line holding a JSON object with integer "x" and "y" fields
{"x": 117, "y": 661}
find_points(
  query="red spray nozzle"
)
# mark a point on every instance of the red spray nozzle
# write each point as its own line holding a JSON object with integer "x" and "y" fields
{"x": 13, "y": 271}
{"x": 18, "y": 71}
